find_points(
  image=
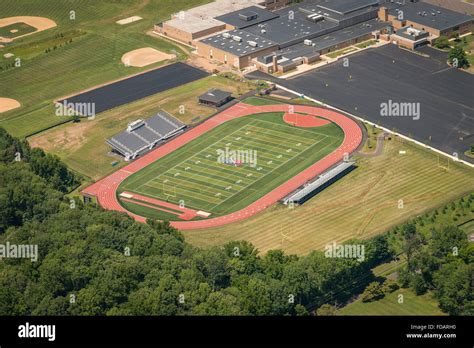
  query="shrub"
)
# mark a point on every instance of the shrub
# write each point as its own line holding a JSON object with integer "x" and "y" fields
{"x": 372, "y": 292}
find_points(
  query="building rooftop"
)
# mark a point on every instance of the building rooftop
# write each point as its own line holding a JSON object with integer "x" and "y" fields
{"x": 202, "y": 17}
{"x": 412, "y": 34}
{"x": 192, "y": 24}
{"x": 344, "y": 7}
{"x": 349, "y": 33}
{"x": 215, "y": 95}
{"x": 430, "y": 15}
{"x": 294, "y": 25}
{"x": 247, "y": 17}
{"x": 248, "y": 43}
{"x": 290, "y": 53}
{"x": 220, "y": 7}
{"x": 291, "y": 27}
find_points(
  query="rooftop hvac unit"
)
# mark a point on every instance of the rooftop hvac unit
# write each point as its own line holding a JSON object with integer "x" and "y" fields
{"x": 308, "y": 42}
{"x": 226, "y": 35}
{"x": 253, "y": 43}
{"x": 134, "y": 125}
{"x": 315, "y": 17}
{"x": 263, "y": 31}
{"x": 237, "y": 38}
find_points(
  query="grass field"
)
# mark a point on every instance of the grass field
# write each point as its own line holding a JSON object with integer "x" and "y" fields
{"x": 360, "y": 205}
{"x": 197, "y": 175}
{"x": 341, "y": 52}
{"x": 92, "y": 58}
{"x": 389, "y": 305}
{"x": 82, "y": 145}
{"x": 366, "y": 44}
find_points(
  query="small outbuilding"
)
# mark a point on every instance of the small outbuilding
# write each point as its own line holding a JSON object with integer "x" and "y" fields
{"x": 215, "y": 98}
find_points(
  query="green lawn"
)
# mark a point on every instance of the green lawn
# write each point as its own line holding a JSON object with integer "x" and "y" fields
{"x": 469, "y": 48}
{"x": 197, "y": 175}
{"x": 389, "y": 305}
{"x": 259, "y": 101}
{"x": 341, "y": 52}
{"x": 366, "y": 44}
{"x": 92, "y": 58}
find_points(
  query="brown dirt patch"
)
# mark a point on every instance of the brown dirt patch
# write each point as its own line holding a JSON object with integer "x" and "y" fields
{"x": 7, "y": 104}
{"x": 63, "y": 138}
{"x": 145, "y": 56}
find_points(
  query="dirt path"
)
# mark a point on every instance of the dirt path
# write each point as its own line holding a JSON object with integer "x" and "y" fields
{"x": 379, "y": 147}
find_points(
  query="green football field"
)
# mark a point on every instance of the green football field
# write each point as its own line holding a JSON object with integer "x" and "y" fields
{"x": 231, "y": 166}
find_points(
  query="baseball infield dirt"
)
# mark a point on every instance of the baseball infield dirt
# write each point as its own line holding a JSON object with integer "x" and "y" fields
{"x": 145, "y": 56}
{"x": 7, "y": 104}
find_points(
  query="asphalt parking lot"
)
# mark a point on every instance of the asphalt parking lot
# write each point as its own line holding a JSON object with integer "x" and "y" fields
{"x": 445, "y": 95}
{"x": 138, "y": 87}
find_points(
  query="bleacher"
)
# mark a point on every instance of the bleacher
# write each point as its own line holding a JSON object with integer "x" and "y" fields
{"x": 326, "y": 179}
{"x": 143, "y": 135}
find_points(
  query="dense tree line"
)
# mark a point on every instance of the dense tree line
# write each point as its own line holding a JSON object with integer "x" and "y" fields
{"x": 46, "y": 166}
{"x": 29, "y": 182}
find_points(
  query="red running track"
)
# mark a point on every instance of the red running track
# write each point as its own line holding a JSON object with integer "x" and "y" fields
{"x": 105, "y": 189}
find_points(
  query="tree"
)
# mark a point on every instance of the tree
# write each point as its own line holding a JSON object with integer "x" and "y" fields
{"x": 454, "y": 288}
{"x": 454, "y": 35}
{"x": 389, "y": 286}
{"x": 301, "y": 311}
{"x": 219, "y": 303}
{"x": 442, "y": 42}
{"x": 457, "y": 57}
{"x": 326, "y": 310}
{"x": 372, "y": 292}
{"x": 273, "y": 263}
{"x": 10, "y": 147}
{"x": 256, "y": 297}
{"x": 447, "y": 241}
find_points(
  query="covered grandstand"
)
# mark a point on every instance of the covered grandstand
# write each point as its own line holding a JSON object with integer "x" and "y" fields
{"x": 143, "y": 135}
{"x": 323, "y": 181}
